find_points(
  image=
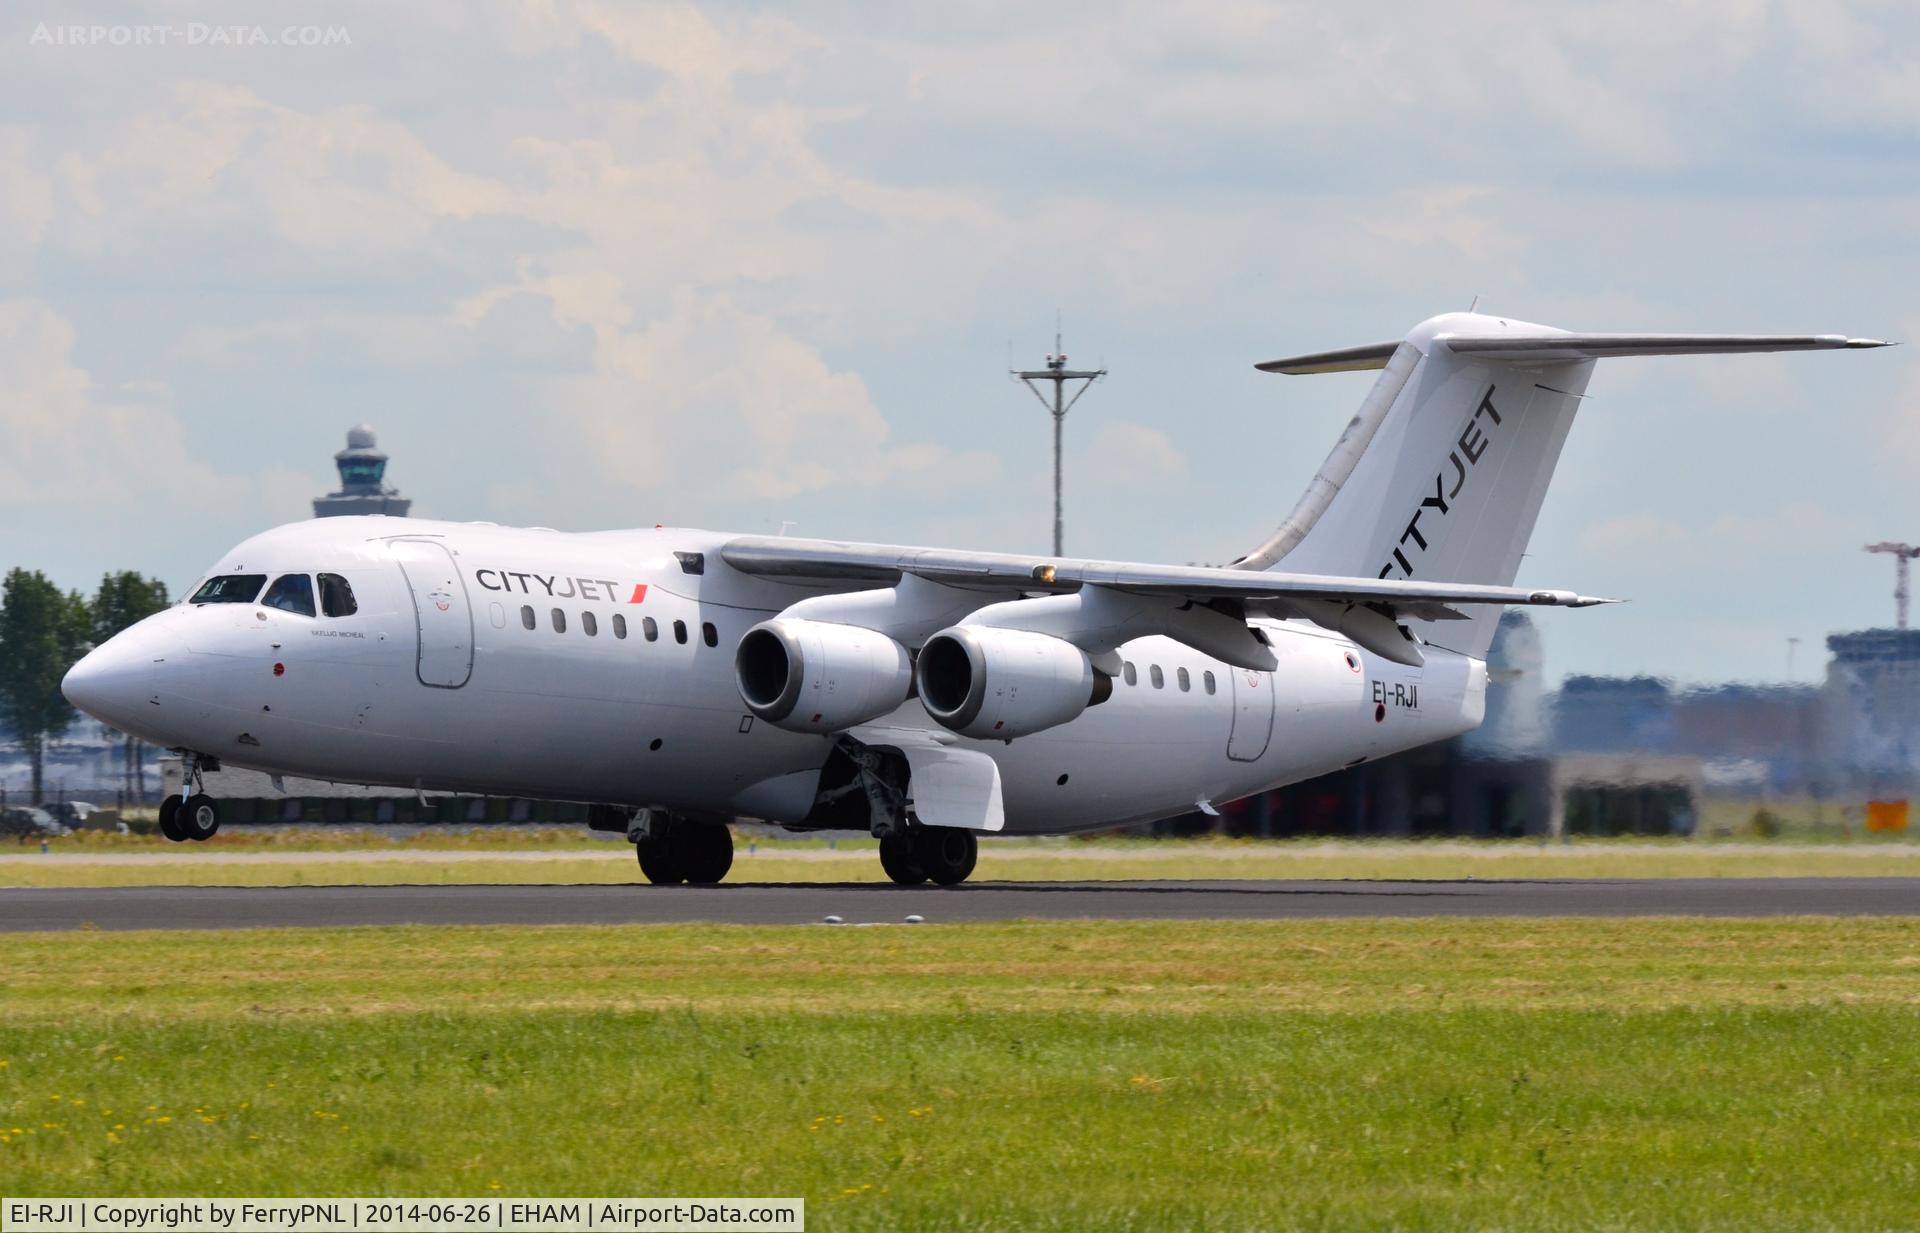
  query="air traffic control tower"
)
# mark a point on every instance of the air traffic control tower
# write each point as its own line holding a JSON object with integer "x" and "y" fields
{"x": 363, "y": 488}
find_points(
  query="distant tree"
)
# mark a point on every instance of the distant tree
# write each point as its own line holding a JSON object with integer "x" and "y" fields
{"x": 43, "y": 632}
{"x": 124, "y": 599}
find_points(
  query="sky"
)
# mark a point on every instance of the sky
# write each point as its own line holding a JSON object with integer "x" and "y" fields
{"x": 584, "y": 264}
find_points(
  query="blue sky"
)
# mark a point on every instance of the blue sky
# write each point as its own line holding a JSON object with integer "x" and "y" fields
{"x": 590, "y": 264}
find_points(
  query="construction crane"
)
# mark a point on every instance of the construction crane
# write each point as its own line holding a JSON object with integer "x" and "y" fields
{"x": 1901, "y": 554}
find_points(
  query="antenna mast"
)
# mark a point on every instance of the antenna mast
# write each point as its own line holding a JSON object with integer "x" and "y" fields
{"x": 1059, "y": 374}
{"x": 1902, "y": 554}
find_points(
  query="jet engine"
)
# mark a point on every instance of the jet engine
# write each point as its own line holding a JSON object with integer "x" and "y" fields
{"x": 818, "y": 676}
{"x": 994, "y": 683}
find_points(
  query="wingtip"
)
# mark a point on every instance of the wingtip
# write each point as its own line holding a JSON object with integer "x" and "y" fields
{"x": 1864, "y": 343}
{"x": 1569, "y": 599}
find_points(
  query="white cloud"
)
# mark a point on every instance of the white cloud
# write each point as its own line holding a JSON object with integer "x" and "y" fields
{"x": 588, "y": 263}
{"x": 72, "y": 445}
{"x": 1130, "y": 457}
{"x": 714, "y": 404}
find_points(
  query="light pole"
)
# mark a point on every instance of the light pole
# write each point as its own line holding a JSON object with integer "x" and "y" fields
{"x": 1059, "y": 374}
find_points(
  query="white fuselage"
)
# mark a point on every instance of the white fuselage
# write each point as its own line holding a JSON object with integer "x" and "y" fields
{"x": 437, "y": 682}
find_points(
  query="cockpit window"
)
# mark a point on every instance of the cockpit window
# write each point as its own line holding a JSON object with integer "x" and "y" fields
{"x": 291, "y": 593}
{"x": 336, "y": 596}
{"x": 229, "y": 589}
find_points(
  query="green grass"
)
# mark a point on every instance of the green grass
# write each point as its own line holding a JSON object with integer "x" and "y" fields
{"x": 1436, "y": 1074}
{"x": 244, "y": 860}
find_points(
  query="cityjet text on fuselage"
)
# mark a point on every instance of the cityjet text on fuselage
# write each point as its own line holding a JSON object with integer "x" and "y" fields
{"x": 559, "y": 586}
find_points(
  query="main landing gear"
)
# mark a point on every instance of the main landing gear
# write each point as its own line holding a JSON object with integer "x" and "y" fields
{"x": 194, "y": 815}
{"x": 674, "y": 849}
{"x": 910, "y": 851}
{"x": 942, "y": 855}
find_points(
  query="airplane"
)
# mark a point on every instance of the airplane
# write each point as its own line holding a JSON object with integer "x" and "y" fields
{"x": 674, "y": 679}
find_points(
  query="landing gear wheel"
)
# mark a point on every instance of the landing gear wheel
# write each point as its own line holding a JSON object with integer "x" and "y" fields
{"x": 899, "y": 856}
{"x": 198, "y": 818}
{"x": 170, "y": 819}
{"x": 660, "y": 859}
{"x": 946, "y": 853}
{"x": 706, "y": 852}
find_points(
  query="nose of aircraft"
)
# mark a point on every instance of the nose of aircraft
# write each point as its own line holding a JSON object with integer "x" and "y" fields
{"x": 112, "y": 681}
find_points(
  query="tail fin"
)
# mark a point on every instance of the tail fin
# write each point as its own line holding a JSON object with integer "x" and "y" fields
{"x": 1441, "y": 474}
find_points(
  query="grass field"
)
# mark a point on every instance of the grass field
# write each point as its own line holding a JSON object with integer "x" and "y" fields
{"x": 1628, "y": 1074}
{"x": 298, "y": 858}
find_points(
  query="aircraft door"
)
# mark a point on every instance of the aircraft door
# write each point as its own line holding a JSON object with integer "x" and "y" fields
{"x": 1252, "y": 714}
{"x": 442, "y": 615}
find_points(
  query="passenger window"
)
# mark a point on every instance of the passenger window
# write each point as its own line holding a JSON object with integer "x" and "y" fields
{"x": 1186, "y": 682}
{"x": 559, "y": 621}
{"x": 619, "y": 626}
{"x": 526, "y": 616}
{"x": 1128, "y": 674}
{"x": 231, "y": 589}
{"x": 708, "y": 634}
{"x": 498, "y": 615}
{"x": 680, "y": 632}
{"x": 589, "y": 625}
{"x": 291, "y": 593}
{"x": 1159, "y": 679}
{"x": 336, "y": 596}
{"x": 1206, "y": 678}
{"x": 650, "y": 628}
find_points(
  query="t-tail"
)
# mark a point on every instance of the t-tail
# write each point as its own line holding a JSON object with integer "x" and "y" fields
{"x": 1441, "y": 474}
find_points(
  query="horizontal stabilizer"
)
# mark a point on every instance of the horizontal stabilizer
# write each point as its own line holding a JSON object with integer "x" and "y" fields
{"x": 1561, "y": 346}
{"x": 1558, "y": 348}
{"x": 1346, "y": 359}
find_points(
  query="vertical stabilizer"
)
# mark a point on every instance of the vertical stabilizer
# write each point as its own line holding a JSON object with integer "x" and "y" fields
{"x": 1441, "y": 474}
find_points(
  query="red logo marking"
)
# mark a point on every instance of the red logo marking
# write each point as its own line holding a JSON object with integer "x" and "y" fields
{"x": 639, "y": 593}
{"x": 279, "y": 670}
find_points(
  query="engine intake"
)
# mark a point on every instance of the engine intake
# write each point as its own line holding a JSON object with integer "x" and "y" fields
{"x": 993, "y": 683}
{"x": 817, "y": 676}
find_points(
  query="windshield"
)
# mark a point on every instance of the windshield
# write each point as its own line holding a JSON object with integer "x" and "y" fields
{"x": 291, "y": 593}
{"x": 229, "y": 589}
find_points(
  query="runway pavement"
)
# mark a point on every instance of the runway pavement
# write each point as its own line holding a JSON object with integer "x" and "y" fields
{"x": 183, "y": 907}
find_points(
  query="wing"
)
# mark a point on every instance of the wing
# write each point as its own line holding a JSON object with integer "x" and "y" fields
{"x": 1369, "y": 610}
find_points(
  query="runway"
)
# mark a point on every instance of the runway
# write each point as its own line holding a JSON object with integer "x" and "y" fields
{"x": 182, "y": 907}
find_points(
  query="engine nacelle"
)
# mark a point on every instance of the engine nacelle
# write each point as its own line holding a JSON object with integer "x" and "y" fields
{"x": 993, "y": 683}
{"x": 817, "y": 676}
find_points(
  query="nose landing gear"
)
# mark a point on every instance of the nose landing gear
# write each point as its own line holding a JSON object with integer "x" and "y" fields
{"x": 191, "y": 815}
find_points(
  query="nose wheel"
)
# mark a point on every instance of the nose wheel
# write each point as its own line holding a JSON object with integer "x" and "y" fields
{"x": 196, "y": 818}
{"x": 191, "y": 815}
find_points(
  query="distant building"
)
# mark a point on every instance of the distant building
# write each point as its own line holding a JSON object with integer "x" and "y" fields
{"x": 1609, "y": 714}
{"x": 363, "y": 487}
{"x": 1516, "y": 725}
{"x": 1872, "y": 708}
